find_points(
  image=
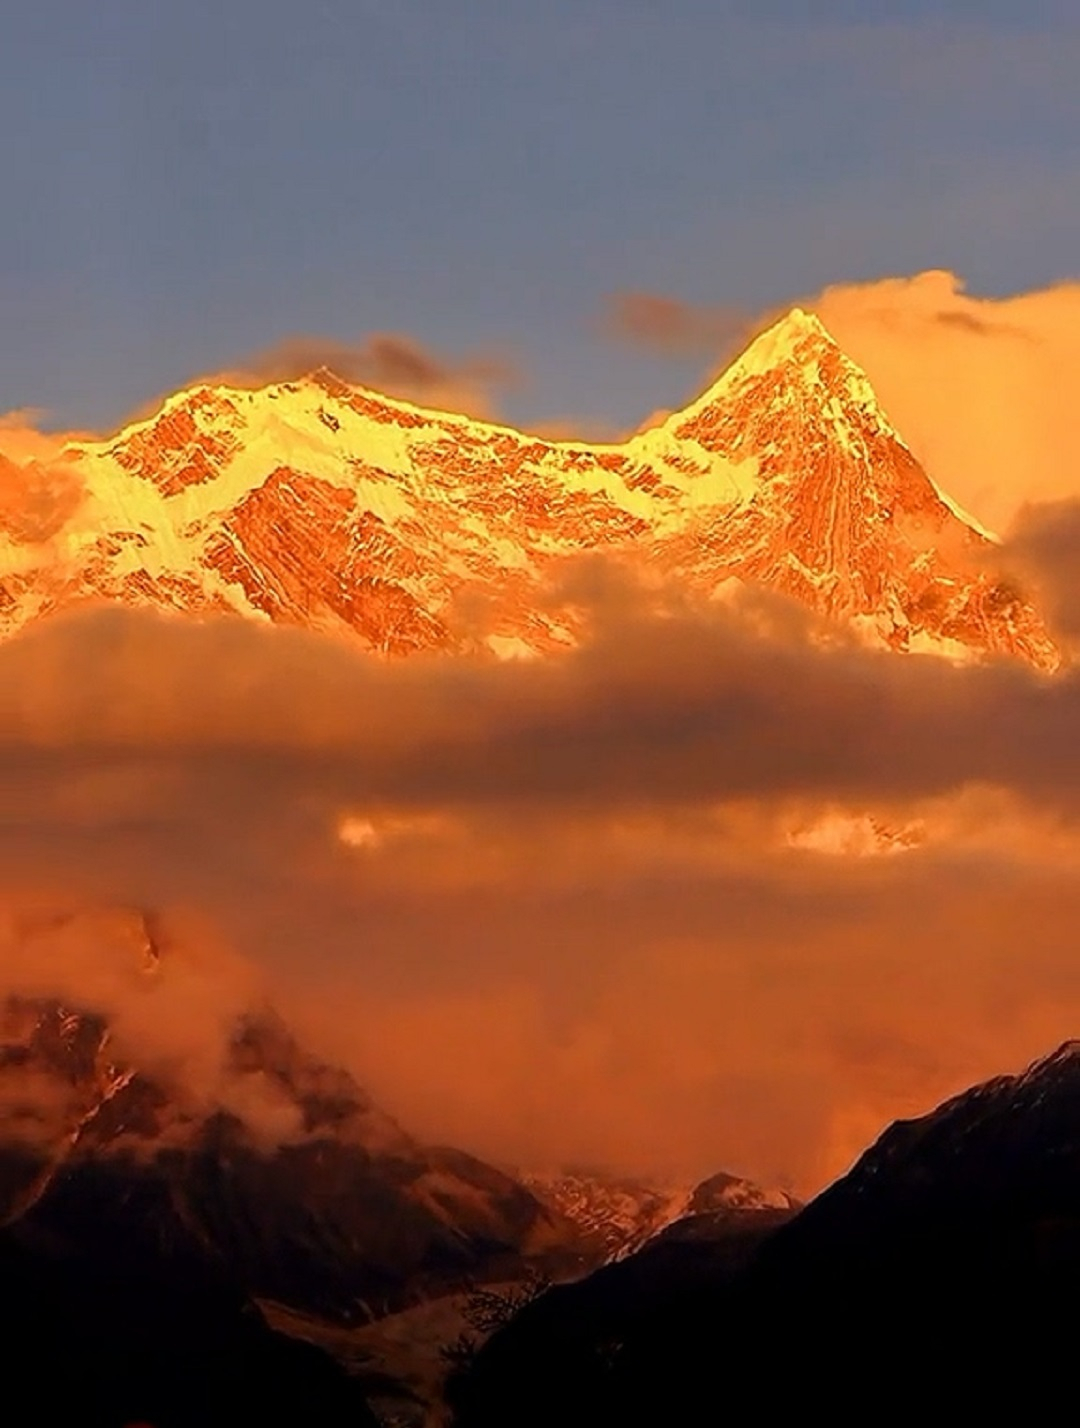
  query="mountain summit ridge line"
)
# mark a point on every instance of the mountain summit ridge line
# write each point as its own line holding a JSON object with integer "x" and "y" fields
{"x": 323, "y": 504}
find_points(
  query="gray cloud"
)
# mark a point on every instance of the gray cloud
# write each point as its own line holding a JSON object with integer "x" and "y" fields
{"x": 675, "y": 328}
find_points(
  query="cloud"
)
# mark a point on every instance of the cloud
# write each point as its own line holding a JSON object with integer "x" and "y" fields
{"x": 40, "y": 487}
{"x": 40, "y": 490}
{"x": 671, "y": 701}
{"x": 23, "y": 439}
{"x": 593, "y": 431}
{"x": 390, "y": 362}
{"x": 582, "y": 920}
{"x": 36, "y": 499}
{"x": 669, "y": 326}
{"x": 167, "y": 987}
{"x": 1043, "y": 549}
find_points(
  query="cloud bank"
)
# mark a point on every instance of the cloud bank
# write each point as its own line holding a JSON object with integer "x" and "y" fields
{"x": 711, "y": 890}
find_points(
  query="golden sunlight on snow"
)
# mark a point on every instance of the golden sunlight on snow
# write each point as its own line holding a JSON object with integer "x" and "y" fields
{"x": 856, "y": 836}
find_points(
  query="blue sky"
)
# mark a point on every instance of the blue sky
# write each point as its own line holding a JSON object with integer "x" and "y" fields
{"x": 187, "y": 182}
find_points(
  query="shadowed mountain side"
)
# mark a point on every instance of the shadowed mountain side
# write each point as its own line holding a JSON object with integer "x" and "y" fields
{"x": 938, "y": 1276}
{"x": 560, "y": 1360}
{"x": 111, "y": 1313}
{"x": 129, "y": 1199}
{"x": 349, "y": 1217}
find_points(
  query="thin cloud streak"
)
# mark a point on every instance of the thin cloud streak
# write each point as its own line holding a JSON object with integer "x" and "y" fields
{"x": 673, "y": 328}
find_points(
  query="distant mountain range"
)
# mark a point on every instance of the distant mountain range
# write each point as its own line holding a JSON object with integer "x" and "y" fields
{"x": 322, "y": 504}
{"x": 619, "y": 1214}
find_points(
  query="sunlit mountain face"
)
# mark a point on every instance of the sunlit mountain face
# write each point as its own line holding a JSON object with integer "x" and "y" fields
{"x": 322, "y": 504}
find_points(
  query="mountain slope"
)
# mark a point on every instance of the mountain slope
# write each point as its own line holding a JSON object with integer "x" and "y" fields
{"x": 347, "y": 1216}
{"x": 937, "y": 1278}
{"x": 323, "y": 504}
{"x": 620, "y": 1215}
{"x": 111, "y": 1313}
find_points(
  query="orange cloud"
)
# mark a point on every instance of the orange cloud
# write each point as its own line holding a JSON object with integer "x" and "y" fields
{"x": 170, "y": 989}
{"x": 23, "y": 440}
{"x": 1043, "y": 549}
{"x": 36, "y": 498}
{"x": 567, "y": 910}
{"x": 667, "y": 703}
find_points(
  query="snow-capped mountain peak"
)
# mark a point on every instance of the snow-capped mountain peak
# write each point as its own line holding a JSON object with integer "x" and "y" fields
{"x": 321, "y": 503}
{"x": 621, "y": 1213}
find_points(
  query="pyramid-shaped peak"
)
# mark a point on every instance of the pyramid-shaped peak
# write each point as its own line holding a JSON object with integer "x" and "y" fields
{"x": 801, "y": 321}
{"x": 784, "y": 341}
{"x": 797, "y": 345}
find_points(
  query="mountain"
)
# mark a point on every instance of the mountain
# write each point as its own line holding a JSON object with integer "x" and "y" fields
{"x": 347, "y": 1217}
{"x": 113, "y": 1315}
{"x": 937, "y": 1277}
{"x": 178, "y": 1266}
{"x": 121, "y": 1300}
{"x": 562, "y": 1358}
{"x": 189, "y": 1220}
{"x": 396, "y": 1222}
{"x": 322, "y": 504}
{"x": 403, "y": 1360}
{"x": 620, "y": 1214}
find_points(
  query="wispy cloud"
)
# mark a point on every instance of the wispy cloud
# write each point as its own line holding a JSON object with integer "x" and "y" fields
{"x": 668, "y": 325}
{"x": 390, "y": 362}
